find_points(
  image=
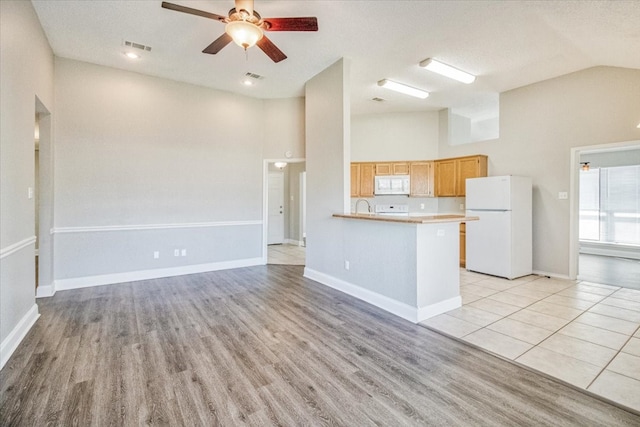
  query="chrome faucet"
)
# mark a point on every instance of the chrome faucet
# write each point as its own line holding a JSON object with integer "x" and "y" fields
{"x": 363, "y": 200}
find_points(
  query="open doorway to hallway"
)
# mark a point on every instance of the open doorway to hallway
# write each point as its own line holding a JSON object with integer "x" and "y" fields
{"x": 608, "y": 215}
{"x": 284, "y": 212}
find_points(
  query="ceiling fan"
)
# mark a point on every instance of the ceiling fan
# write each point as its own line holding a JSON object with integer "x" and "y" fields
{"x": 246, "y": 27}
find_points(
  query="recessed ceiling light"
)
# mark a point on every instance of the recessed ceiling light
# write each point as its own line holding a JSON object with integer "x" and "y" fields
{"x": 247, "y": 82}
{"x": 638, "y": 126}
{"x": 402, "y": 88}
{"x": 447, "y": 70}
{"x": 132, "y": 55}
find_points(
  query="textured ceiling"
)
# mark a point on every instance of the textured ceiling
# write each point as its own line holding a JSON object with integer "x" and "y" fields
{"x": 508, "y": 44}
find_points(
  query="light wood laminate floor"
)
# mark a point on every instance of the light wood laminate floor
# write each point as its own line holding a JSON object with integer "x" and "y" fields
{"x": 624, "y": 272}
{"x": 263, "y": 346}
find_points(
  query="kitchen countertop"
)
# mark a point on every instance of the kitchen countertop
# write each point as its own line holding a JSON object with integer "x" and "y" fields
{"x": 424, "y": 219}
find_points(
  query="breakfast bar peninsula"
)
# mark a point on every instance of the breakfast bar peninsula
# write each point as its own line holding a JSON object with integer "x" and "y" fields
{"x": 407, "y": 265}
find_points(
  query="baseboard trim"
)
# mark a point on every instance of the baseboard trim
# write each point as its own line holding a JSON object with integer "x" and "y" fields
{"x": 400, "y": 309}
{"x": 294, "y": 242}
{"x": 133, "y": 276}
{"x": 554, "y": 275}
{"x": 18, "y": 333}
{"x": 433, "y": 310}
{"x": 45, "y": 291}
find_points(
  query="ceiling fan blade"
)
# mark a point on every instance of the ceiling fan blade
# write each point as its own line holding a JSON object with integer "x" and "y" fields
{"x": 218, "y": 44}
{"x": 192, "y": 11}
{"x": 271, "y": 49}
{"x": 309, "y": 23}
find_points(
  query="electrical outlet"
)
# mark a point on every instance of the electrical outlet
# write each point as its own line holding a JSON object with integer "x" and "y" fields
{"x": 461, "y": 206}
{"x": 156, "y": 254}
{"x": 346, "y": 265}
{"x": 422, "y": 206}
{"x": 183, "y": 252}
{"x": 440, "y": 233}
{"x": 563, "y": 195}
{"x": 176, "y": 252}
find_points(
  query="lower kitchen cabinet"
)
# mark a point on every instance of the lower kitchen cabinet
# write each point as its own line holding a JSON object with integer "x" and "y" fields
{"x": 463, "y": 244}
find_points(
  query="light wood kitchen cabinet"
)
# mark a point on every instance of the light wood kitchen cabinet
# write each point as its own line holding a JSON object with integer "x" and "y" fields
{"x": 445, "y": 177}
{"x": 463, "y": 244}
{"x": 355, "y": 179}
{"x": 389, "y": 168}
{"x": 421, "y": 176}
{"x": 362, "y": 181}
{"x": 451, "y": 174}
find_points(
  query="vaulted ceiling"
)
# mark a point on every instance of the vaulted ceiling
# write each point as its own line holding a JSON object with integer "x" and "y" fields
{"x": 507, "y": 44}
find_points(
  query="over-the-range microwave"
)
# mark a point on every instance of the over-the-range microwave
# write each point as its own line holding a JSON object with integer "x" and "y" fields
{"x": 391, "y": 184}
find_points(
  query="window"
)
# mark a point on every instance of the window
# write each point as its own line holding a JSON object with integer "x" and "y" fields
{"x": 610, "y": 205}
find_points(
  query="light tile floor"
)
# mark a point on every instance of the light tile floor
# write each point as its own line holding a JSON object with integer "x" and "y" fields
{"x": 286, "y": 254}
{"x": 583, "y": 333}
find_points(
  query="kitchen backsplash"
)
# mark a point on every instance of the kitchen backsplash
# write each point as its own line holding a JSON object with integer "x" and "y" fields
{"x": 431, "y": 205}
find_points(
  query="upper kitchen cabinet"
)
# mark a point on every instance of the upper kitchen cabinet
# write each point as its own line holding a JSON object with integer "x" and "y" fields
{"x": 362, "y": 179}
{"x": 451, "y": 174}
{"x": 355, "y": 179}
{"x": 421, "y": 175}
{"x": 396, "y": 168}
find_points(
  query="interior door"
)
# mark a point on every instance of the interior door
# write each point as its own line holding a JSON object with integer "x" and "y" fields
{"x": 275, "y": 197}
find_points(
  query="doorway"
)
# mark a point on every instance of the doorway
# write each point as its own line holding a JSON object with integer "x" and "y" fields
{"x": 605, "y": 217}
{"x": 284, "y": 212}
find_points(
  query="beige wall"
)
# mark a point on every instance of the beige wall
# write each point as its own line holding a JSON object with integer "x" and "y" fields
{"x": 327, "y": 140}
{"x": 283, "y": 128}
{"x": 397, "y": 136}
{"x": 26, "y": 67}
{"x": 539, "y": 124}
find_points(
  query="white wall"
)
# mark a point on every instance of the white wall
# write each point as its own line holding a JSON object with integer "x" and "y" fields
{"x": 26, "y": 67}
{"x": 134, "y": 152}
{"x": 539, "y": 124}
{"x": 327, "y": 139}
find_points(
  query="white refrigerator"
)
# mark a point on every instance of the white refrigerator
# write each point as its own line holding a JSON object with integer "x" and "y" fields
{"x": 500, "y": 242}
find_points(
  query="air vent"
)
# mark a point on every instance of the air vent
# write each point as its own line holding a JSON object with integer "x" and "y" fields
{"x": 254, "y": 76}
{"x": 137, "y": 46}
{"x": 378, "y": 99}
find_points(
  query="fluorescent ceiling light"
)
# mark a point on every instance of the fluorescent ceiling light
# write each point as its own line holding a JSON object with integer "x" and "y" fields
{"x": 447, "y": 71}
{"x": 407, "y": 90}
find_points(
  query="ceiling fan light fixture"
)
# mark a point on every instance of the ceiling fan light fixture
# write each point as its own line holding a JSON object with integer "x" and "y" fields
{"x": 244, "y": 34}
{"x": 402, "y": 88}
{"x": 447, "y": 70}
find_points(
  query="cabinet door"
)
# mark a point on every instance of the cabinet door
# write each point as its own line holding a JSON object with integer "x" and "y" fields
{"x": 469, "y": 167}
{"x": 383, "y": 169}
{"x": 355, "y": 179}
{"x": 421, "y": 174}
{"x": 367, "y": 179}
{"x": 400, "y": 168}
{"x": 445, "y": 177}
